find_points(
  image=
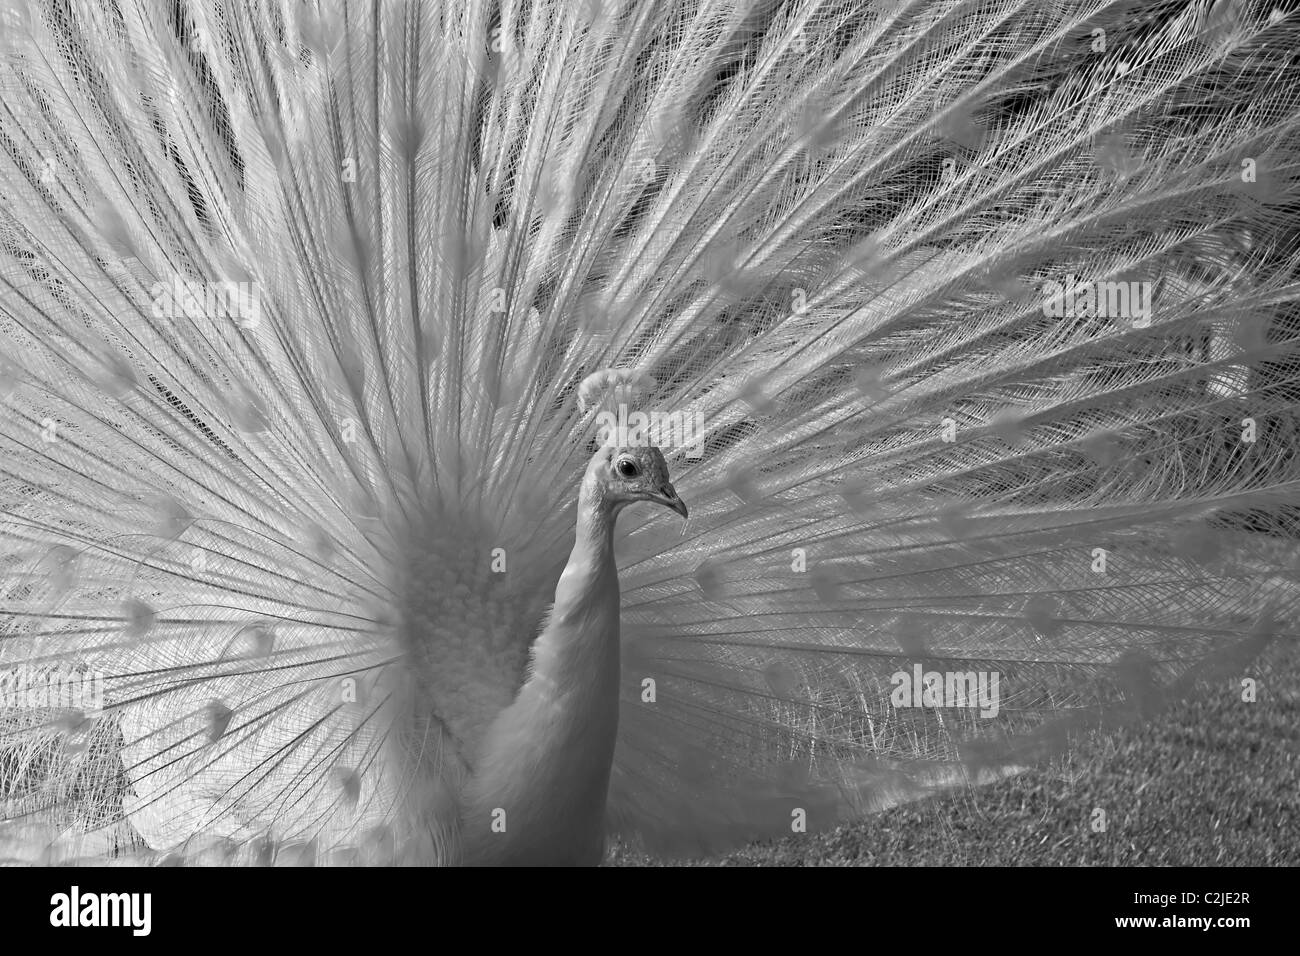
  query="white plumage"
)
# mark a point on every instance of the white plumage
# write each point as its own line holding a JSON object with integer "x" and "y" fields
{"x": 301, "y": 308}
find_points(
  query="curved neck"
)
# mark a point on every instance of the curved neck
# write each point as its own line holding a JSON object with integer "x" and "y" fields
{"x": 592, "y": 557}
{"x": 546, "y": 758}
{"x": 577, "y": 653}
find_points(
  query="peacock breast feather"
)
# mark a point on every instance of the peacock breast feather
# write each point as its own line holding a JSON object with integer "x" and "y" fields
{"x": 469, "y": 604}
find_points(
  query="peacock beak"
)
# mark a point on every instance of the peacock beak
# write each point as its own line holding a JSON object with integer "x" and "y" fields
{"x": 668, "y": 498}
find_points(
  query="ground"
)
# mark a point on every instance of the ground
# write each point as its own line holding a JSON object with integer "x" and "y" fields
{"x": 1213, "y": 782}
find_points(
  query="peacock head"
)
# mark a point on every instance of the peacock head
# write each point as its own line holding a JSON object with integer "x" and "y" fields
{"x": 636, "y": 473}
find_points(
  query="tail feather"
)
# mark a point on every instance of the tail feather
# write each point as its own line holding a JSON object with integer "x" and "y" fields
{"x": 297, "y": 304}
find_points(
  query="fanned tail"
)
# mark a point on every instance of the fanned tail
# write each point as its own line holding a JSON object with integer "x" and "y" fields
{"x": 297, "y": 304}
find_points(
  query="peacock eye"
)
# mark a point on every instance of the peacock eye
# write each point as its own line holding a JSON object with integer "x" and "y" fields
{"x": 627, "y": 468}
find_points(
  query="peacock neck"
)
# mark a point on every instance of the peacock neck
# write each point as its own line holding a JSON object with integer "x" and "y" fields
{"x": 546, "y": 759}
{"x": 591, "y": 562}
{"x": 578, "y": 651}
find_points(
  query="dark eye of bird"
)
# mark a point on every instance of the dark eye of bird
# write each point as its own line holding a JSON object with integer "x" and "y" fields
{"x": 626, "y": 468}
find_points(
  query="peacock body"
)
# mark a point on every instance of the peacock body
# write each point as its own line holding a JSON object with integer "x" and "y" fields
{"x": 967, "y": 330}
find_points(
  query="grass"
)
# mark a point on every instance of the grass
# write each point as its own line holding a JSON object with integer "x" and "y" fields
{"x": 1213, "y": 782}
